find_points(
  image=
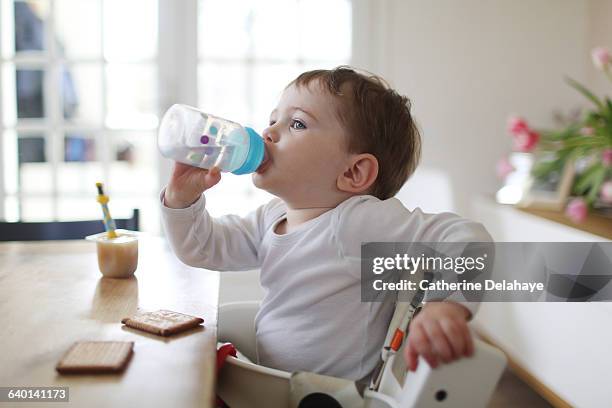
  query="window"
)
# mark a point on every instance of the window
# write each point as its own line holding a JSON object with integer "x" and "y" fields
{"x": 78, "y": 105}
{"x": 248, "y": 52}
{"x": 80, "y": 93}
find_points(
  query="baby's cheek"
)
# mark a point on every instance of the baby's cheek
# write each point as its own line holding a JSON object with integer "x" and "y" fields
{"x": 299, "y": 163}
{"x": 310, "y": 163}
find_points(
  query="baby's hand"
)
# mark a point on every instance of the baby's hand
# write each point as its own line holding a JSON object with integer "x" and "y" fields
{"x": 439, "y": 332}
{"x": 188, "y": 183}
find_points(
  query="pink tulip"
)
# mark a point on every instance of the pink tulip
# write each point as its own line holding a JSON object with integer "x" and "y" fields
{"x": 577, "y": 210}
{"x": 517, "y": 125}
{"x": 601, "y": 58}
{"x": 606, "y": 192}
{"x": 606, "y": 157}
{"x": 526, "y": 141}
{"x": 503, "y": 168}
{"x": 587, "y": 131}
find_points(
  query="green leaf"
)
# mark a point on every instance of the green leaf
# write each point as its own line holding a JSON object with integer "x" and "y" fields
{"x": 542, "y": 169}
{"x": 598, "y": 180}
{"x": 588, "y": 94}
{"x": 584, "y": 180}
{"x": 608, "y": 117}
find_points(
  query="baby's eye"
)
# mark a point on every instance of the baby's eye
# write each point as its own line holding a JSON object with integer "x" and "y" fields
{"x": 272, "y": 122}
{"x": 298, "y": 125}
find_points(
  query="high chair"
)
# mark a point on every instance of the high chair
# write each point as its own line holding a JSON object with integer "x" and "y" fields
{"x": 468, "y": 382}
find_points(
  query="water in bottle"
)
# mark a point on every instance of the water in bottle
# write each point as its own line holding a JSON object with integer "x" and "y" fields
{"x": 199, "y": 139}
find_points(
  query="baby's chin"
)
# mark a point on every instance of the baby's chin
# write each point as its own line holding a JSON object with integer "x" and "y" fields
{"x": 270, "y": 184}
{"x": 262, "y": 182}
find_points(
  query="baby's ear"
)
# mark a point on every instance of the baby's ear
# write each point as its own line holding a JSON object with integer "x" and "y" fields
{"x": 360, "y": 175}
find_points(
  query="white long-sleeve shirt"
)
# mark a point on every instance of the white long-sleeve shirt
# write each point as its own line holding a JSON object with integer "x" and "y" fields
{"x": 311, "y": 317}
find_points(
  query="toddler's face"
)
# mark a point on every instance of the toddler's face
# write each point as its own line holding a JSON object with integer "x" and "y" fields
{"x": 306, "y": 144}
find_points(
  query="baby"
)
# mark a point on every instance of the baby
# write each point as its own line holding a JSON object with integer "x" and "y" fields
{"x": 340, "y": 144}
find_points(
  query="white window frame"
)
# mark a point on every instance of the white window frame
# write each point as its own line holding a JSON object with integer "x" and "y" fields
{"x": 179, "y": 41}
{"x": 53, "y": 126}
{"x": 177, "y": 64}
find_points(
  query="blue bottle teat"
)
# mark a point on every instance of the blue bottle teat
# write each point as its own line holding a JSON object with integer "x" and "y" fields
{"x": 255, "y": 155}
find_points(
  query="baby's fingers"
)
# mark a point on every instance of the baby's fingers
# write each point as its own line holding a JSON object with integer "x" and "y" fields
{"x": 420, "y": 342}
{"x": 439, "y": 340}
{"x": 411, "y": 357}
{"x": 212, "y": 177}
{"x": 456, "y": 334}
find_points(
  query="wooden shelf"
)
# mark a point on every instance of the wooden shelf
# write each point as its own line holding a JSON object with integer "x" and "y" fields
{"x": 593, "y": 224}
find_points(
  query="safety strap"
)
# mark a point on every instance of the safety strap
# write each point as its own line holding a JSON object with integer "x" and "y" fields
{"x": 397, "y": 333}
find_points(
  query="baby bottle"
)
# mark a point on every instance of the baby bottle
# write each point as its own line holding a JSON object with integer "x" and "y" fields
{"x": 199, "y": 139}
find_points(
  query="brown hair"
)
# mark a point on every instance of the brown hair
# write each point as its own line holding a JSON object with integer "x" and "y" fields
{"x": 378, "y": 121}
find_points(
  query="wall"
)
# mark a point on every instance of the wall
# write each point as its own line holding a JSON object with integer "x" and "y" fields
{"x": 467, "y": 65}
{"x": 599, "y": 34}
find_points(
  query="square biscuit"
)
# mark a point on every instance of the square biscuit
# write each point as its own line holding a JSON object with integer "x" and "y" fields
{"x": 93, "y": 357}
{"x": 162, "y": 322}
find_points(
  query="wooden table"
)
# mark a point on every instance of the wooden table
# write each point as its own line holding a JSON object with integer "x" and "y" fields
{"x": 52, "y": 294}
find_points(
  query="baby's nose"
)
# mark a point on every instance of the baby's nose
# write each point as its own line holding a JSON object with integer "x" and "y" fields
{"x": 270, "y": 135}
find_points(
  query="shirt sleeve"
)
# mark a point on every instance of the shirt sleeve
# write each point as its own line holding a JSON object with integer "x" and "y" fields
{"x": 465, "y": 238}
{"x": 225, "y": 243}
{"x": 367, "y": 219}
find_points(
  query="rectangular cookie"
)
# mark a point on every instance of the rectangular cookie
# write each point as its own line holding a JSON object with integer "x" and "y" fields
{"x": 96, "y": 357}
{"x": 162, "y": 322}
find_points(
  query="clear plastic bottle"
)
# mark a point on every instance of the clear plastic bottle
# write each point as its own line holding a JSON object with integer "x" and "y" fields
{"x": 192, "y": 137}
